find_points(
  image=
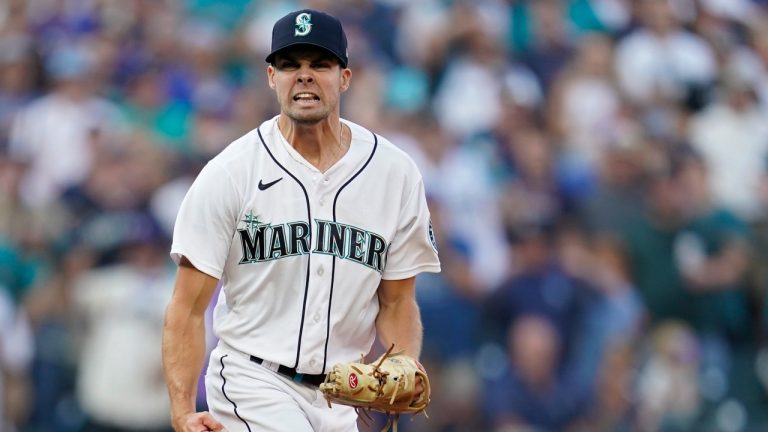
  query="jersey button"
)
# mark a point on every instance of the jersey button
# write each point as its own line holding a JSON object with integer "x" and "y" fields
{"x": 316, "y": 317}
{"x": 322, "y": 201}
{"x": 326, "y": 180}
{"x": 320, "y": 271}
{"x": 312, "y": 362}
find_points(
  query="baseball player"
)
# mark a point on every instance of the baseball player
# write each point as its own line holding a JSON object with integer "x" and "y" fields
{"x": 316, "y": 229}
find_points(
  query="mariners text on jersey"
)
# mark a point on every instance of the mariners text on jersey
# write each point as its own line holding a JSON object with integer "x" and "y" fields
{"x": 265, "y": 242}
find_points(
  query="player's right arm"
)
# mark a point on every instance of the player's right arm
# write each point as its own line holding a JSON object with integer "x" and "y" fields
{"x": 184, "y": 346}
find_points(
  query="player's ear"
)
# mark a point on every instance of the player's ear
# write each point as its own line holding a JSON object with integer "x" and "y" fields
{"x": 346, "y": 76}
{"x": 271, "y": 76}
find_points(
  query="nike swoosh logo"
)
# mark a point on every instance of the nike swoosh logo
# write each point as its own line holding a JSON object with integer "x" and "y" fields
{"x": 265, "y": 186}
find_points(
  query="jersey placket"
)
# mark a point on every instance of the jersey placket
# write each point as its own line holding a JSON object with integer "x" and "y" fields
{"x": 316, "y": 315}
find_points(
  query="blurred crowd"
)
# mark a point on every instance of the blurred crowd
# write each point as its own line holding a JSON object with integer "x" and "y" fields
{"x": 596, "y": 172}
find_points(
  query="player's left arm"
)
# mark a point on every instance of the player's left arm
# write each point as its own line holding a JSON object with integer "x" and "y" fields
{"x": 399, "y": 320}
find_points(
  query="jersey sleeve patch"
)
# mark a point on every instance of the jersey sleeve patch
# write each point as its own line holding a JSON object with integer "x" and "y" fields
{"x": 431, "y": 234}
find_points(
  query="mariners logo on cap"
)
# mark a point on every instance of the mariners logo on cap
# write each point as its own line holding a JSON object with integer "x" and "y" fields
{"x": 303, "y": 24}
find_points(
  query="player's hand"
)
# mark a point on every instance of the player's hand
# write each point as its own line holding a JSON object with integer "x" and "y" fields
{"x": 419, "y": 387}
{"x": 198, "y": 422}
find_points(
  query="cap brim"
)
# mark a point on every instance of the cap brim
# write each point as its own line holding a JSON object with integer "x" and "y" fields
{"x": 271, "y": 55}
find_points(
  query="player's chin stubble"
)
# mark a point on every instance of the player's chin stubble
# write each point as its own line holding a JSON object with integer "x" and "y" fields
{"x": 308, "y": 117}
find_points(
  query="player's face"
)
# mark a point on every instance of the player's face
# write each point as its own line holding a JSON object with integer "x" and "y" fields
{"x": 308, "y": 82}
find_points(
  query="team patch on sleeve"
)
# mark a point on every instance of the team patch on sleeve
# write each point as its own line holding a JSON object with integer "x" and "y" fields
{"x": 432, "y": 236}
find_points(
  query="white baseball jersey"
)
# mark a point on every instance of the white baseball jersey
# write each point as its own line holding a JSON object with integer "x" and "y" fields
{"x": 301, "y": 252}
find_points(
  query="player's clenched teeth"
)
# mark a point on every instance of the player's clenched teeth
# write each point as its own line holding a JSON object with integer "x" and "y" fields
{"x": 306, "y": 97}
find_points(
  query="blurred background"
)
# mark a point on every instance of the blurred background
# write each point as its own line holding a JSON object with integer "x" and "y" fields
{"x": 596, "y": 173}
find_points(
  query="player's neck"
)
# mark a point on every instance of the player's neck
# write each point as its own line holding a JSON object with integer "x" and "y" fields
{"x": 321, "y": 144}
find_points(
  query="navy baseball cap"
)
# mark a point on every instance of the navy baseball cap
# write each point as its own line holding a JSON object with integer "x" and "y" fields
{"x": 310, "y": 27}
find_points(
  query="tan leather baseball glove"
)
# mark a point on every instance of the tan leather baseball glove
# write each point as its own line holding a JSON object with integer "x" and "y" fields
{"x": 388, "y": 385}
